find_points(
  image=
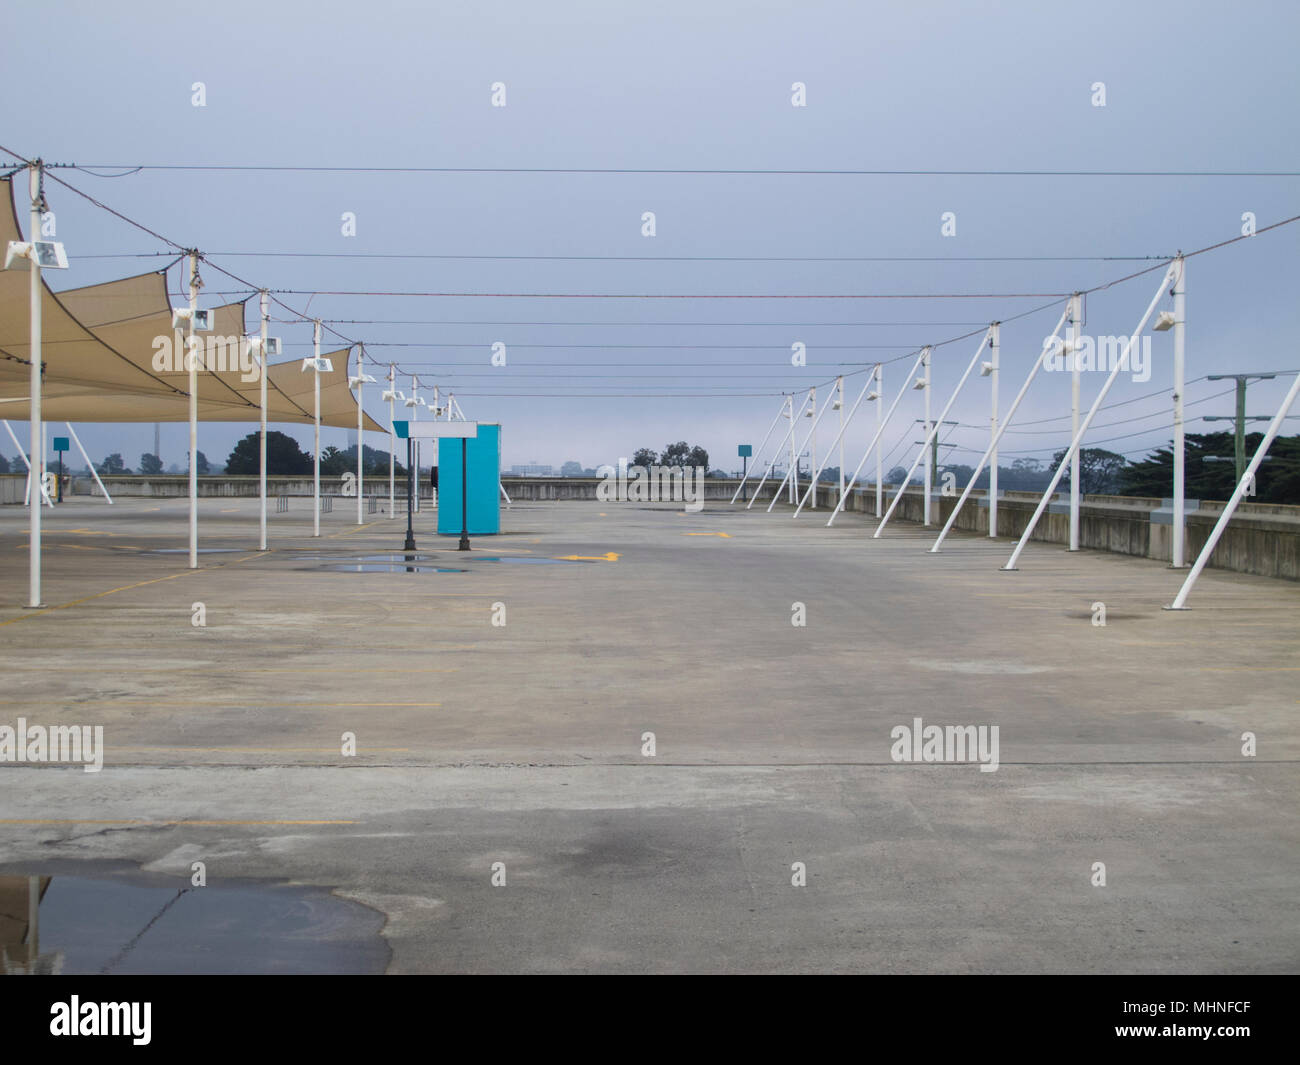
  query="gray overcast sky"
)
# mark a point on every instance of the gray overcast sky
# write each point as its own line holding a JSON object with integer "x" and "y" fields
{"x": 1189, "y": 86}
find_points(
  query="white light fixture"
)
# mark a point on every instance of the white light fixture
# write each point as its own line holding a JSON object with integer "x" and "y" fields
{"x": 319, "y": 365}
{"x": 919, "y": 383}
{"x": 391, "y": 394}
{"x": 872, "y": 395}
{"x": 416, "y": 401}
{"x": 364, "y": 378}
{"x": 986, "y": 368}
{"x": 202, "y": 318}
{"x": 48, "y": 254}
{"x": 1164, "y": 322}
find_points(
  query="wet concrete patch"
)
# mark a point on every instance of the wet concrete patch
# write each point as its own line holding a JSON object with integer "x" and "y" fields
{"x": 92, "y": 918}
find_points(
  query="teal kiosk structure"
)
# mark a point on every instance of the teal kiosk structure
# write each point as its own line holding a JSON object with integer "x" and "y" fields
{"x": 482, "y": 464}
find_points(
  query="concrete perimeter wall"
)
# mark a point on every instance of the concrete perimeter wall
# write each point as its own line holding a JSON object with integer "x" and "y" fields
{"x": 1262, "y": 538}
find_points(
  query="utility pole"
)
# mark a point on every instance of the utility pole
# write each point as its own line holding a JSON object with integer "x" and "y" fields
{"x": 929, "y": 478}
{"x": 1242, "y": 380}
{"x": 1074, "y": 332}
{"x": 265, "y": 303}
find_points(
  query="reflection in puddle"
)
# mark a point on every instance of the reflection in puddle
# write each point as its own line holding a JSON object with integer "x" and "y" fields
{"x": 376, "y": 567}
{"x": 135, "y": 924}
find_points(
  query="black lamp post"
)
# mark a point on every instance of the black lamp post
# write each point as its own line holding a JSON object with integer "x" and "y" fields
{"x": 464, "y": 498}
{"x": 410, "y": 492}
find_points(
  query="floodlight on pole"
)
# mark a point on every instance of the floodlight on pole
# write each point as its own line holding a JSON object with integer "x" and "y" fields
{"x": 318, "y": 366}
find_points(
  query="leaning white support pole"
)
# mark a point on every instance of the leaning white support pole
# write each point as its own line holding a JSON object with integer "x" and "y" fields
{"x": 838, "y": 440}
{"x": 1121, "y": 363}
{"x": 315, "y": 491}
{"x": 192, "y": 364}
{"x": 924, "y": 453}
{"x": 89, "y": 465}
{"x": 361, "y": 359}
{"x": 997, "y": 436}
{"x": 265, "y": 303}
{"x": 762, "y": 445}
{"x": 794, "y": 455}
{"x": 880, "y": 428}
{"x": 41, "y": 481}
{"x": 1247, "y": 479}
{"x": 37, "y": 467}
{"x": 995, "y": 348}
{"x": 1073, "y": 335}
{"x": 789, "y": 407}
{"x": 1180, "y": 365}
{"x": 807, "y": 437}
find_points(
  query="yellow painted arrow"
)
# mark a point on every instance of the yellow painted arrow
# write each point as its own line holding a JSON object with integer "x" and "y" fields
{"x": 610, "y": 556}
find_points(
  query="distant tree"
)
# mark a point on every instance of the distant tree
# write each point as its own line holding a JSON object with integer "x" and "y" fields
{"x": 333, "y": 463}
{"x": 283, "y": 456}
{"x": 201, "y": 464}
{"x": 589, "y": 472}
{"x": 4, "y": 464}
{"x": 1027, "y": 465}
{"x": 697, "y": 456}
{"x": 677, "y": 454}
{"x": 896, "y": 475}
{"x": 1211, "y": 472}
{"x": 113, "y": 464}
{"x": 645, "y": 457}
{"x": 831, "y": 475}
{"x": 1099, "y": 470}
{"x": 150, "y": 464}
{"x": 571, "y": 469}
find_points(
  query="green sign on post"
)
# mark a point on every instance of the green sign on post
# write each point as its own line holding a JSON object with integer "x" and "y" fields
{"x": 61, "y": 444}
{"x": 745, "y": 451}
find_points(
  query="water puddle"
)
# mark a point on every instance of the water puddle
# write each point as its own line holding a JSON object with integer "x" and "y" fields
{"x": 379, "y": 567}
{"x": 127, "y": 922}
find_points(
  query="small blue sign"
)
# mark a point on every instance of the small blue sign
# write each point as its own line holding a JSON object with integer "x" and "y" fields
{"x": 61, "y": 443}
{"x": 745, "y": 451}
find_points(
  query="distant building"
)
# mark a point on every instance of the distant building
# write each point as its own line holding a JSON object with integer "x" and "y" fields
{"x": 532, "y": 470}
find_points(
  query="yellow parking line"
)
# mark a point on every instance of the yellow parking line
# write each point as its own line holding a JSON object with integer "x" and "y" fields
{"x": 135, "y": 821}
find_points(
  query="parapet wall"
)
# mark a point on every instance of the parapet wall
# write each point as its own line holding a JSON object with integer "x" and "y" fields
{"x": 1262, "y": 538}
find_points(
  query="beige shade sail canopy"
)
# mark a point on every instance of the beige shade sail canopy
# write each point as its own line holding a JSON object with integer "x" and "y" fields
{"x": 111, "y": 354}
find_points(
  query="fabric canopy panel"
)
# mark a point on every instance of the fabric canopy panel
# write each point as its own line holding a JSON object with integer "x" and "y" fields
{"x": 111, "y": 355}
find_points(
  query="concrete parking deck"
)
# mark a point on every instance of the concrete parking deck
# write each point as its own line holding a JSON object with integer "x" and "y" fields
{"x": 522, "y": 744}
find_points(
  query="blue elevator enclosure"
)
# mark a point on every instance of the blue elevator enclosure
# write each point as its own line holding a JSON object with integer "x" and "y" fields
{"x": 483, "y": 474}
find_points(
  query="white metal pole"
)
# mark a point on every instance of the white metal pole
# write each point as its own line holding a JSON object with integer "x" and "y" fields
{"x": 77, "y": 440}
{"x": 1180, "y": 366}
{"x": 361, "y": 358}
{"x": 995, "y": 348}
{"x": 792, "y": 416}
{"x": 929, "y": 473}
{"x": 23, "y": 455}
{"x": 924, "y": 454}
{"x": 315, "y": 335}
{"x": 812, "y": 454}
{"x": 762, "y": 445}
{"x": 1246, "y": 479}
{"x": 261, "y": 458}
{"x": 415, "y": 451}
{"x": 192, "y": 364}
{"x": 794, "y": 457}
{"x": 880, "y": 428}
{"x": 880, "y": 457}
{"x": 37, "y": 466}
{"x": 392, "y": 440}
{"x": 840, "y": 384}
{"x": 807, "y": 437}
{"x": 1120, "y": 364}
{"x": 993, "y": 444}
{"x": 840, "y": 440}
{"x": 1074, "y": 334}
